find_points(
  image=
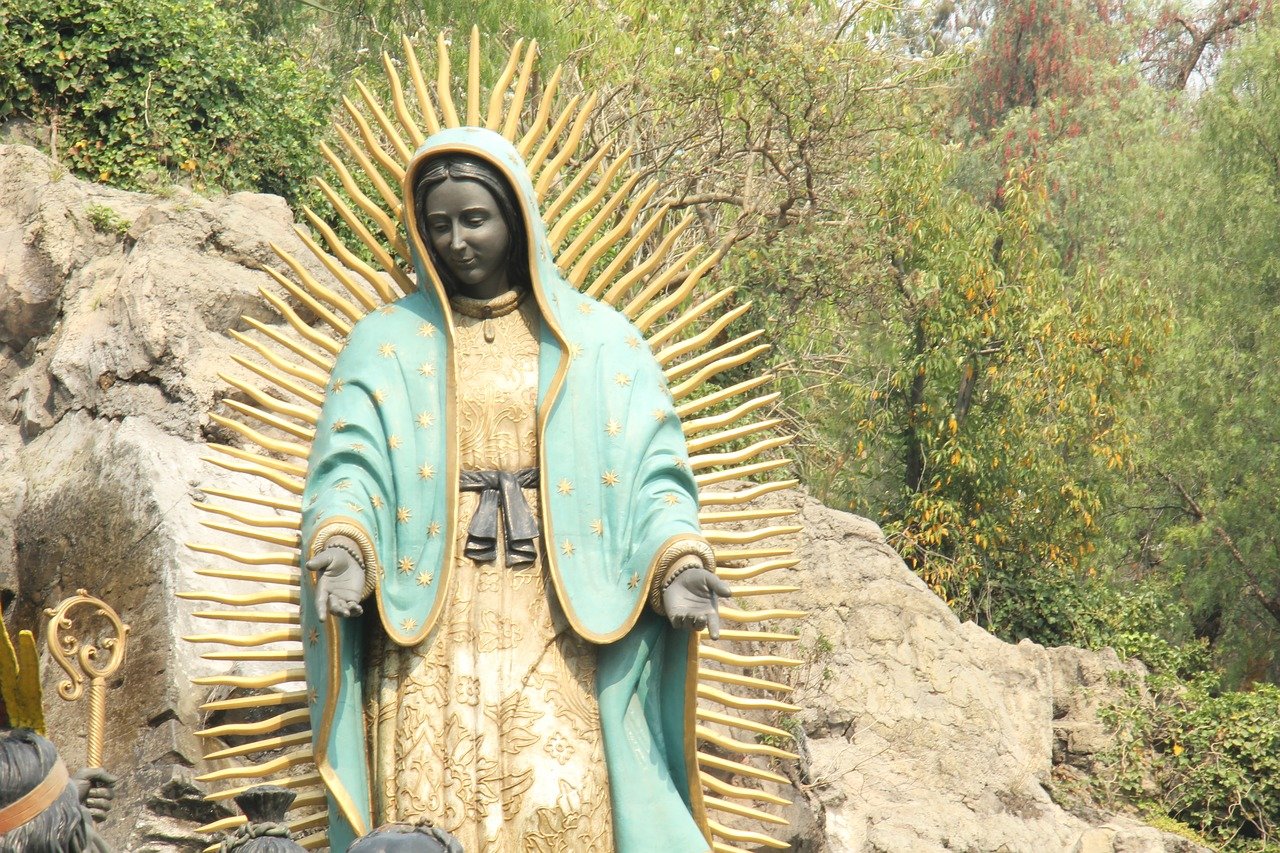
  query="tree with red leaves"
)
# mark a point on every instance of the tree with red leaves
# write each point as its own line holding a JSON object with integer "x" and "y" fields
{"x": 1040, "y": 50}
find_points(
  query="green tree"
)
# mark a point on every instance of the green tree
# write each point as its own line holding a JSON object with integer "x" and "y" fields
{"x": 1207, "y": 484}
{"x": 1002, "y": 398}
{"x": 142, "y": 92}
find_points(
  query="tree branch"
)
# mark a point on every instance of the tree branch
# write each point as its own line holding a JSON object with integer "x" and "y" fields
{"x": 1270, "y": 603}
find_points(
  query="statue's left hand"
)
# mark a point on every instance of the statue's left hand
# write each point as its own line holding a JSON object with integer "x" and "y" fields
{"x": 691, "y": 601}
{"x": 96, "y": 789}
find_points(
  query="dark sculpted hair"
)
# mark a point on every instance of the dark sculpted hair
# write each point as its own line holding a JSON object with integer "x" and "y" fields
{"x": 406, "y": 838}
{"x": 25, "y": 760}
{"x": 462, "y": 167}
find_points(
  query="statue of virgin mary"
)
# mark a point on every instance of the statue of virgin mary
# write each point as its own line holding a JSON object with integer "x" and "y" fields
{"x": 504, "y": 561}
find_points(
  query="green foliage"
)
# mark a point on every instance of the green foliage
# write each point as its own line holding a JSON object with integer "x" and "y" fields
{"x": 106, "y": 220}
{"x": 1164, "y": 823}
{"x": 1205, "y": 758}
{"x": 1222, "y": 770}
{"x": 1183, "y": 197}
{"x": 995, "y": 396}
{"x": 143, "y": 92}
{"x": 348, "y": 37}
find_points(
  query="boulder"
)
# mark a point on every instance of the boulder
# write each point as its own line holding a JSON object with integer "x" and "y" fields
{"x": 921, "y": 733}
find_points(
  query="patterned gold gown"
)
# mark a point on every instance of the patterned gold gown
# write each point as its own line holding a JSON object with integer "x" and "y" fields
{"x": 490, "y": 728}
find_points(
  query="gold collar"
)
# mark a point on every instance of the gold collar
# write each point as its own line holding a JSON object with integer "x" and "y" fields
{"x": 484, "y": 309}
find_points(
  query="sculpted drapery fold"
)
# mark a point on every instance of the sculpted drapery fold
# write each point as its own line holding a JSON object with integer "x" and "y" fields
{"x": 617, "y": 503}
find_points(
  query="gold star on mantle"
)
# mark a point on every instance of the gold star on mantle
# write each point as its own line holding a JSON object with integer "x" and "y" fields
{"x": 613, "y": 429}
{"x": 380, "y": 396}
{"x": 574, "y": 350}
{"x": 338, "y": 385}
{"x": 567, "y": 548}
{"x": 338, "y": 426}
{"x": 408, "y": 624}
{"x": 405, "y": 565}
{"x": 313, "y": 696}
{"x": 433, "y": 529}
{"x": 387, "y": 309}
{"x": 425, "y": 578}
{"x": 357, "y": 446}
{"x": 584, "y": 307}
{"x": 387, "y": 350}
{"x": 313, "y": 637}
{"x": 564, "y": 487}
{"x": 376, "y": 500}
{"x": 633, "y": 341}
{"x": 671, "y": 498}
{"x": 426, "y": 472}
{"x": 342, "y": 485}
{"x": 597, "y": 527}
{"x": 659, "y": 415}
{"x": 425, "y": 419}
{"x": 403, "y": 514}
{"x": 427, "y": 330}
{"x": 622, "y": 379}
{"x": 679, "y": 462}
{"x": 427, "y": 369}
{"x": 394, "y": 442}
{"x": 610, "y": 478}
{"x": 354, "y": 507}
{"x": 634, "y": 582}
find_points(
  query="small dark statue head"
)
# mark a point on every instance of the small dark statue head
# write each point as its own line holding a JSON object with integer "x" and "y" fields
{"x": 264, "y": 806}
{"x": 406, "y": 838}
{"x": 40, "y": 810}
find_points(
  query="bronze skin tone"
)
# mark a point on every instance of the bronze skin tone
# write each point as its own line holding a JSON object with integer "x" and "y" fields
{"x": 466, "y": 229}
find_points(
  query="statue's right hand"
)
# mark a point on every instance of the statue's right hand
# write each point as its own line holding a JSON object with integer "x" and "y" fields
{"x": 339, "y": 582}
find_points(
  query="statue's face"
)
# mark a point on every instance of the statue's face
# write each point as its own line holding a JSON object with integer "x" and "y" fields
{"x": 465, "y": 227}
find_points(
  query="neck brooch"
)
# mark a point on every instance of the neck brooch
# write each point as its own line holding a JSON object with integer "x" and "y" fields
{"x": 487, "y": 309}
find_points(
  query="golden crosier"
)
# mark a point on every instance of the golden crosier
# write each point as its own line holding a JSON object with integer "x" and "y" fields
{"x": 85, "y": 662}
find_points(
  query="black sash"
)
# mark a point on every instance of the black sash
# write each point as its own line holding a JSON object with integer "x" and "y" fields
{"x": 502, "y": 489}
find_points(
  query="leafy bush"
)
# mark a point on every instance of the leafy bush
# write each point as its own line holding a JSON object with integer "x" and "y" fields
{"x": 137, "y": 93}
{"x": 1220, "y": 768}
{"x": 1190, "y": 752}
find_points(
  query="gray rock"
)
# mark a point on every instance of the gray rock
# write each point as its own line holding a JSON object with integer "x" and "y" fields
{"x": 921, "y": 733}
{"x": 1085, "y": 683}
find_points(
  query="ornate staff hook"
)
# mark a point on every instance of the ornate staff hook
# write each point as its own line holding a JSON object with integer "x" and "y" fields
{"x": 68, "y": 650}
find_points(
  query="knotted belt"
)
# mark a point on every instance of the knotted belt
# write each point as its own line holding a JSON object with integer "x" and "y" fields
{"x": 501, "y": 489}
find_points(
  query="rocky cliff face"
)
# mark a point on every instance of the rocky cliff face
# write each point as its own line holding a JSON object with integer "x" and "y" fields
{"x": 919, "y": 733}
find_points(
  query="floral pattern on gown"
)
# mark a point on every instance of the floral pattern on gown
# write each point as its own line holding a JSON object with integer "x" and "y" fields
{"x": 490, "y": 727}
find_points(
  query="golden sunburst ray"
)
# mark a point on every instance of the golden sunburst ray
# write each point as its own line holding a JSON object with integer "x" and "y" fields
{"x": 616, "y": 243}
